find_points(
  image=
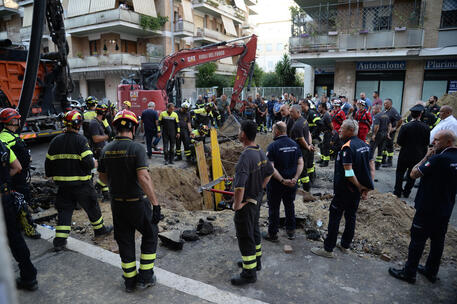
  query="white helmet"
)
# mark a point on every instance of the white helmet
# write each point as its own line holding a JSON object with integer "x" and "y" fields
{"x": 185, "y": 105}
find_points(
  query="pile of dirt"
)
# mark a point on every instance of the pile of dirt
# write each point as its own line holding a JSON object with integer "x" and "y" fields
{"x": 177, "y": 188}
{"x": 383, "y": 225}
{"x": 449, "y": 100}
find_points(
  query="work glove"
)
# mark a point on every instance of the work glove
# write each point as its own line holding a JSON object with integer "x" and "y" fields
{"x": 155, "y": 214}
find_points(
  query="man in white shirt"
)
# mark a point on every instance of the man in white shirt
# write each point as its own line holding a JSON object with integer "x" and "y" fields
{"x": 447, "y": 122}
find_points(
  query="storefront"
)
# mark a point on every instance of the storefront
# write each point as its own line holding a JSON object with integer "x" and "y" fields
{"x": 323, "y": 81}
{"x": 440, "y": 77}
{"x": 385, "y": 77}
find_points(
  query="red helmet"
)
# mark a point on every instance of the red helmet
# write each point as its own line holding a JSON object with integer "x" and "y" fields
{"x": 8, "y": 114}
{"x": 73, "y": 119}
{"x": 124, "y": 117}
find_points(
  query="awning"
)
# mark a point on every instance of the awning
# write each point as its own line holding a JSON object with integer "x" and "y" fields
{"x": 187, "y": 9}
{"x": 229, "y": 26}
{"x": 78, "y": 7}
{"x": 28, "y": 15}
{"x": 241, "y": 5}
{"x": 101, "y": 5}
{"x": 145, "y": 7}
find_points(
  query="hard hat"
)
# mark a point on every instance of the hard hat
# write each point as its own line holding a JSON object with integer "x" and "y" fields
{"x": 127, "y": 103}
{"x": 362, "y": 102}
{"x": 211, "y": 104}
{"x": 337, "y": 103}
{"x": 125, "y": 118}
{"x": 203, "y": 129}
{"x": 8, "y": 114}
{"x": 91, "y": 101}
{"x": 73, "y": 119}
{"x": 185, "y": 105}
{"x": 101, "y": 108}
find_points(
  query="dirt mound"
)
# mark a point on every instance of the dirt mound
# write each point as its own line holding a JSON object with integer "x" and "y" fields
{"x": 383, "y": 224}
{"x": 177, "y": 188}
{"x": 450, "y": 100}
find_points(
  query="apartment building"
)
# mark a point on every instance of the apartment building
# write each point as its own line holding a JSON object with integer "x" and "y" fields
{"x": 404, "y": 49}
{"x": 110, "y": 39}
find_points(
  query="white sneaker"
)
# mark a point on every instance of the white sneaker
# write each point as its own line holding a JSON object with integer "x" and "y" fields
{"x": 340, "y": 247}
{"x": 322, "y": 252}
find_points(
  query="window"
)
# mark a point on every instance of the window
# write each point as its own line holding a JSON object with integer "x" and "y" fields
{"x": 377, "y": 18}
{"x": 269, "y": 47}
{"x": 449, "y": 14}
{"x": 280, "y": 47}
{"x": 259, "y": 47}
{"x": 270, "y": 65}
{"x": 93, "y": 50}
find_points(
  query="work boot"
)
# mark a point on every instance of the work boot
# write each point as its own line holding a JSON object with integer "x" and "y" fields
{"x": 401, "y": 275}
{"x": 324, "y": 163}
{"x": 105, "y": 230}
{"x": 178, "y": 157}
{"x": 291, "y": 234}
{"x": 388, "y": 163}
{"x": 319, "y": 161}
{"x": 384, "y": 159}
{"x": 377, "y": 165}
{"x": 143, "y": 285}
{"x": 322, "y": 252}
{"x": 170, "y": 160}
{"x": 130, "y": 284}
{"x": 397, "y": 194}
{"x": 59, "y": 244}
{"x": 28, "y": 226}
{"x": 271, "y": 238}
{"x": 26, "y": 285}
{"x": 155, "y": 148}
{"x": 406, "y": 194}
{"x": 423, "y": 271}
{"x": 259, "y": 264}
{"x": 246, "y": 277}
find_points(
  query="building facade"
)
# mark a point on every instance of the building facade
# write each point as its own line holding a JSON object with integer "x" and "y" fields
{"x": 404, "y": 49}
{"x": 110, "y": 39}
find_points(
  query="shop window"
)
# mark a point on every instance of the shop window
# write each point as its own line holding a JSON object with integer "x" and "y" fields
{"x": 433, "y": 88}
{"x": 449, "y": 14}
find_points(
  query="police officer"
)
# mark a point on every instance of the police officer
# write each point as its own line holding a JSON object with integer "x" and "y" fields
{"x": 169, "y": 126}
{"x": 11, "y": 166}
{"x": 301, "y": 135}
{"x": 434, "y": 202}
{"x": 327, "y": 129}
{"x": 353, "y": 175}
{"x": 315, "y": 126}
{"x": 380, "y": 132}
{"x": 363, "y": 117}
{"x": 69, "y": 162}
{"x": 9, "y": 118}
{"x": 123, "y": 166}
{"x": 285, "y": 156}
{"x": 413, "y": 139}
{"x": 395, "y": 121}
{"x": 252, "y": 173}
{"x": 185, "y": 127}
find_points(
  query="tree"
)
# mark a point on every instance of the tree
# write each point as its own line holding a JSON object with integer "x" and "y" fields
{"x": 205, "y": 74}
{"x": 270, "y": 80}
{"x": 286, "y": 73}
{"x": 256, "y": 77}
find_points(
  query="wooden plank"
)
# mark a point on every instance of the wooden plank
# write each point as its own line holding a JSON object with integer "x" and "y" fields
{"x": 203, "y": 173}
{"x": 216, "y": 164}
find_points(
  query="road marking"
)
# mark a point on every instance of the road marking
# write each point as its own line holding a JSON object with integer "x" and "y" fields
{"x": 172, "y": 280}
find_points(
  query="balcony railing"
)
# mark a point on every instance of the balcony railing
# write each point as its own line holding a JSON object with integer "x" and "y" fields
{"x": 110, "y": 60}
{"x": 217, "y": 8}
{"x": 207, "y": 33}
{"x": 342, "y": 42}
{"x": 183, "y": 26}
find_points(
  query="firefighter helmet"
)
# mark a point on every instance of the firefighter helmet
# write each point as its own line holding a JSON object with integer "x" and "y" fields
{"x": 203, "y": 129}
{"x": 185, "y": 105}
{"x": 91, "y": 101}
{"x": 337, "y": 103}
{"x": 211, "y": 105}
{"x": 101, "y": 108}
{"x": 8, "y": 114}
{"x": 127, "y": 103}
{"x": 73, "y": 119}
{"x": 362, "y": 102}
{"x": 125, "y": 118}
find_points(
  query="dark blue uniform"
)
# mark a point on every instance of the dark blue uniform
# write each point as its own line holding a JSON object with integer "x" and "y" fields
{"x": 346, "y": 196}
{"x": 150, "y": 118}
{"x": 435, "y": 200}
{"x": 284, "y": 153}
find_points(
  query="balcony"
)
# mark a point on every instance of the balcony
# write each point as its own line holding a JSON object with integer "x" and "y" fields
{"x": 184, "y": 28}
{"x": 410, "y": 38}
{"x": 7, "y": 10}
{"x": 209, "y": 36}
{"x": 110, "y": 62}
{"x": 115, "y": 20}
{"x": 215, "y": 8}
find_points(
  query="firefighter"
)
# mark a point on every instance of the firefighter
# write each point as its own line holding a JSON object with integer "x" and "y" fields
{"x": 363, "y": 117}
{"x": 338, "y": 117}
{"x": 208, "y": 115}
{"x": 11, "y": 166}
{"x": 89, "y": 114}
{"x": 327, "y": 130}
{"x": 169, "y": 125}
{"x": 427, "y": 117}
{"x": 395, "y": 121}
{"x": 123, "y": 165}
{"x": 98, "y": 138}
{"x": 261, "y": 115}
{"x": 197, "y": 135}
{"x": 252, "y": 173}
{"x": 315, "y": 126}
{"x": 9, "y": 118}
{"x": 126, "y": 105}
{"x": 185, "y": 126}
{"x": 200, "y": 103}
{"x": 69, "y": 162}
{"x": 380, "y": 133}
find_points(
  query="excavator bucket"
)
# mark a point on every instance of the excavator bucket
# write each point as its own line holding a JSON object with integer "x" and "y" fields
{"x": 231, "y": 127}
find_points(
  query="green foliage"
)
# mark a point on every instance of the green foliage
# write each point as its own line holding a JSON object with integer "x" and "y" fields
{"x": 206, "y": 77}
{"x": 152, "y": 23}
{"x": 270, "y": 80}
{"x": 286, "y": 73}
{"x": 256, "y": 77}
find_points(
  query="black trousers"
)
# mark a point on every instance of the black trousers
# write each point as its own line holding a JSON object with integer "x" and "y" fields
{"x": 402, "y": 168}
{"x": 169, "y": 141}
{"x": 347, "y": 205}
{"x": 184, "y": 138}
{"x": 127, "y": 218}
{"x": 389, "y": 146}
{"x": 261, "y": 123}
{"x": 248, "y": 234}
{"x": 16, "y": 241}
{"x": 422, "y": 229}
{"x": 66, "y": 200}
{"x": 325, "y": 146}
{"x": 277, "y": 193}
{"x": 378, "y": 143}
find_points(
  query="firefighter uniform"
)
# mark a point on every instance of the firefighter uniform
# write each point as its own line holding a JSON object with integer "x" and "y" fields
{"x": 120, "y": 161}
{"x": 169, "y": 126}
{"x": 205, "y": 116}
{"x": 327, "y": 136}
{"x": 315, "y": 126}
{"x": 196, "y": 136}
{"x": 364, "y": 119}
{"x": 394, "y": 117}
{"x": 69, "y": 162}
{"x": 427, "y": 117}
{"x": 184, "y": 138}
{"x": 259, "y": 119}
{"x": 250, "y": 172}
{"x": 300, "y": 129}
{"x": 16, "y": 241}
{"x": 381, "y": 120}
{"x": 19, "y": 181}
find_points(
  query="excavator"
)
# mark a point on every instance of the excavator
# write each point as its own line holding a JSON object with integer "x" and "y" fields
{"x": 158, "y": 81}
